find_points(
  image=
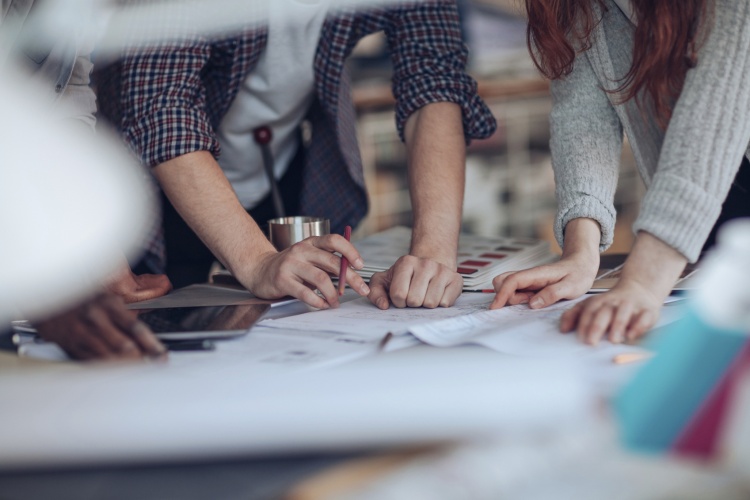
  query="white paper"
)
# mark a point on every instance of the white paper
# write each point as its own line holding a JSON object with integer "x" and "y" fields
{"x": 522, "y": 331}
{"x": 266, "y": 352}
{"x": 361, "y": 317}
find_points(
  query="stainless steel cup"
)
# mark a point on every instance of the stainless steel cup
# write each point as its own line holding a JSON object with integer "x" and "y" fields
{"x": 286, "y": 231}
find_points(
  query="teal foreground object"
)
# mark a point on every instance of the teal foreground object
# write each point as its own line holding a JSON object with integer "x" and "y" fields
{"x": 678, "y": 402}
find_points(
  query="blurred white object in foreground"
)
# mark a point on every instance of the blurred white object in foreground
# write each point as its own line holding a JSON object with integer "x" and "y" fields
{"x": 149, "y": 413}
{"x": 70, "y": 203}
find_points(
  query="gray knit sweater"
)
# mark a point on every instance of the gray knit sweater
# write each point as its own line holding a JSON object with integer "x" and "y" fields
{"x": 688, "y": 170}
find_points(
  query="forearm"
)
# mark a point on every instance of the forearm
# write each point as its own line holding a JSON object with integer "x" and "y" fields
{"x": 202, "y": 195}
{"x": 582, "y": 238}
{"x": 653, "y": 264}
{"x": 437, "y": 163}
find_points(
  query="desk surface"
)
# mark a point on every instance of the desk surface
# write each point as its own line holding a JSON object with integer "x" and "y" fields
{"x": 309, "y": 477}
{"x": 313, "y": 477}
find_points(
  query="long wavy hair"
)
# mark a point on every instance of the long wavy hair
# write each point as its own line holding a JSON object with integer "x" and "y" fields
{"x": 667, "y": 38}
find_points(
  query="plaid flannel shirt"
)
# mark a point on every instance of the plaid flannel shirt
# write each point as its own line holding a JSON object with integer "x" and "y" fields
{"x": 170, "y": 101}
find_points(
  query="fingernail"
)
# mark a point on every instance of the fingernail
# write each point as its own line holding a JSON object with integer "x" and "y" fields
{"x": 365, "y": 290}
{"x": 127, "y": 347}
{"x": 537, "y": 302}
{"x": 616, "y": 338}
{"x": 359, "y": 263}
{"x": 140, "y": 328}
{"x": 158, "y": 358}
{"x": 383, "y": 303}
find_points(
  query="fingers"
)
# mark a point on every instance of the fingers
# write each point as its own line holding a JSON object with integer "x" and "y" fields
{"x": 147, "y": 340}
{"x": 118, "y": 343}
{"x": 415, "y": 282}
{"x": 555, "y": 292}
{"x": 569, "y": 319}
{"x": 436, "y": 290}
{"x": 620, "y": 322}
{"x": 508, "y": 284}
{"x": 100, "y": 329}
{"x": 318, "y": 279}
{"x": 420, "y": 282}
{"x": 520, "y": 298}
{"x": 504, "y": 290}
{"x": 119, "y": 328}
{"x": 316, "y": 253}
{"x": 400, "y": 283}
{"x": 306, "y": 295}
{"x": 149, "y": 286}
{"x": 134, "y": 288}
{"x": 602, "y": 316}
{"x": 597, "y": 324}
{"x": 138, "y": 331}
{"x": 640, "y": 324}
{"x": 83, "y": 344}
{"x": 379, "y": 285}
{"x": 435, "y": 286}
{"x": 337, "y": 243}
{"x": 356, "y": 282}
{"x": 452, "y": 291}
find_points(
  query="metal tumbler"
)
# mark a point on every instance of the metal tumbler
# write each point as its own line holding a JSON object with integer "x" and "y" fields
{"x": 286, "y": 231}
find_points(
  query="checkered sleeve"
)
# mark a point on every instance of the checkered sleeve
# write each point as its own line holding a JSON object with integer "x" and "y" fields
{"x": 163, "y": 101}
{"x": 429, "y": 60}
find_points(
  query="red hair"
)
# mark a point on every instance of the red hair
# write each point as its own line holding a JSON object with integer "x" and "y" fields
{"x": 667, "y": 37}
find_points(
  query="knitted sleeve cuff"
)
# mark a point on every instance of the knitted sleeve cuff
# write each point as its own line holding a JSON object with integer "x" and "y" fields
{"x": 589, "y": 207}
{"x": 679, "y": 213}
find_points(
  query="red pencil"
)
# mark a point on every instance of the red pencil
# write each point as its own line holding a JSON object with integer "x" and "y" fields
{"x": 344, "y": 262}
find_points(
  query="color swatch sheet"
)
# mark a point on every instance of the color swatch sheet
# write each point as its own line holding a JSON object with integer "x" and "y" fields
{"x": 480, "y": 258}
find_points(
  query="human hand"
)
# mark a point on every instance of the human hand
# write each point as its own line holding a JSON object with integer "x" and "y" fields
{"x": 416, "y": 282}
{"x": 136, "y": 288}
{"x": 568, "y": 278}
{"x": 304, "y": 267}
{"x": 624, "y": 313}
{"x": 101, "y": 328}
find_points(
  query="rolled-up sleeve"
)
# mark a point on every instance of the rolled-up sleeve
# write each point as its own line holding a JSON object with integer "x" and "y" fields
{"x": 586, "y": 143}
{"x": 429, "y": 61}
{"x": 163, "y": 102}
{"x": 706, "y": 138}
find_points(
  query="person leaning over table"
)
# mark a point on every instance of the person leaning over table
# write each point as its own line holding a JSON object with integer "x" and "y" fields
{"x": 181, "y": 105}
{"x": 671, "y": 74}
{"x": 100, "y": 327}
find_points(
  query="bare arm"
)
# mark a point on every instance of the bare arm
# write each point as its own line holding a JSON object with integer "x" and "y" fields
{"x": 437, "y": 168}
{"x": 202, "y": 195}
{"x": 437, "y": 158}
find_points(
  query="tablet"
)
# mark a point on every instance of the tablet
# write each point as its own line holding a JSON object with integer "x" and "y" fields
{"x": 196, "y": 323}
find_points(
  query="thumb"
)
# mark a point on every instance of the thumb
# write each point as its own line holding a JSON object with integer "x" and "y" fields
{"x": 379, "y": 285}
{"x": 149, "y": 286}
{"x": 549, "y": 295}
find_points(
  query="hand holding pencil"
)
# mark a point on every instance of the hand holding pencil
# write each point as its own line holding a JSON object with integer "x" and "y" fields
{"x": 305, "y": 267}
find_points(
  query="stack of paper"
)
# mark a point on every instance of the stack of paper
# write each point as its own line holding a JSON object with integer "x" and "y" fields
{"x": 480, "y": 259}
